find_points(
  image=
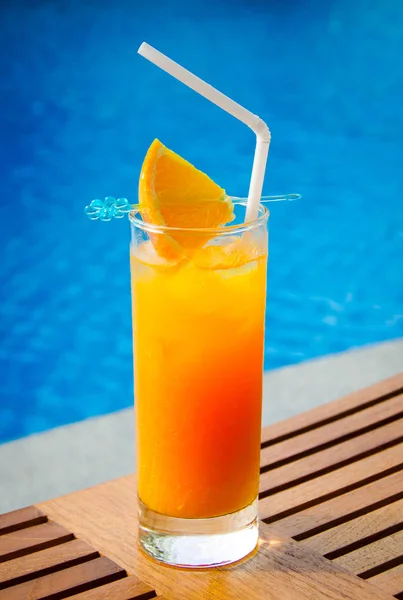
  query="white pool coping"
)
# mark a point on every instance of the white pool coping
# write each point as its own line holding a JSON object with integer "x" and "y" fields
{"x": 76, "y": 456}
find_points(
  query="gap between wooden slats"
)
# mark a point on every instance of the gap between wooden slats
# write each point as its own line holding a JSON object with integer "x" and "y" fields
{"x": 129, "y": 588}
{"x": 331, "y": 459}
{"x": 358, "y": 532}
{"x": 51, "y": 560}
{"x": 25, "y": 541}
{"x": 375, "y": 558}
{"x": 64, "y": 584}
{"x": 21, "y": 519}
{"x": 333, "y": 411}
{"x": 338, "y": 510}
{"x": 330, "y": 485}
{"x": 331, "y": 435}
{"x": 390, "y": 581}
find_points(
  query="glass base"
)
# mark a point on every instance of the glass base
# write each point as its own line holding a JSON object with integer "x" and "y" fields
{"x": 199, "y": 543}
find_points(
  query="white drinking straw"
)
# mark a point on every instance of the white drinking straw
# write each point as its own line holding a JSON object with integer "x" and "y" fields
{"x": 233, "y": 108}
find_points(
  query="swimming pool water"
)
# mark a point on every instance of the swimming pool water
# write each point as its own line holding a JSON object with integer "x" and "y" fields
{"x": 78, "y": 111}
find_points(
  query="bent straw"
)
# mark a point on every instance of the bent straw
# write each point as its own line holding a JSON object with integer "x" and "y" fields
{"x": 230, "y": 106}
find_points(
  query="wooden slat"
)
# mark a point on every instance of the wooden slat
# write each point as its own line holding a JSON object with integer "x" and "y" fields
{"x": 332, "y": 458}
{"x": 129, "y": 588}
{"x": 44, "y": 562}
{"x": 373, "y": 556}
{"x": 391, "y": 581}
{"x": 333, "y": 410}
{"x": 356, "y": 531}
{"x": 19, "y": 519}
{"x": 66, "y": 583}
{"x": 333, "y": 433}
{"x": 32, "y": 539}
{"x": 335, "y": 483}
{"x": 342, "y": 508}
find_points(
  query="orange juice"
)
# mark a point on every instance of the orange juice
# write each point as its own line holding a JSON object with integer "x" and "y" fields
{"x": 198, "y": 329}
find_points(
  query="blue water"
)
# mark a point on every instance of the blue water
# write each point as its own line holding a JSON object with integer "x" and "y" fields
{"x": 78, "y": 109}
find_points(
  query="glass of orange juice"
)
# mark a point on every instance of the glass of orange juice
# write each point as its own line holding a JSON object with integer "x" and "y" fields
{"x": 198, "y": 338}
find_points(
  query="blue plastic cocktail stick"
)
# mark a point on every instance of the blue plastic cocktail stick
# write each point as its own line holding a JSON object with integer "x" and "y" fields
{"x": 116, "y": 208}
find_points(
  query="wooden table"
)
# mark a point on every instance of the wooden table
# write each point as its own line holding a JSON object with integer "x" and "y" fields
{"x": 331, "y": 501}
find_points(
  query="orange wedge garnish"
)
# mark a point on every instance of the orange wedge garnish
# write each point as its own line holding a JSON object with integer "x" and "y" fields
{"x": 173, "y": 193}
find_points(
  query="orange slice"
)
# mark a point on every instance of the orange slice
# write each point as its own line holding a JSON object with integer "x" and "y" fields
{"x": 172, "y": 192}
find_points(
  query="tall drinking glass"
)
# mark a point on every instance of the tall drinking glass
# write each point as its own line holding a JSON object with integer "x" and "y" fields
{"x": 198, "y": 337}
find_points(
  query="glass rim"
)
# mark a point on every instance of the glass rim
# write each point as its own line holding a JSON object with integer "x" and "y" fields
{"x": 261, "y": 219}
